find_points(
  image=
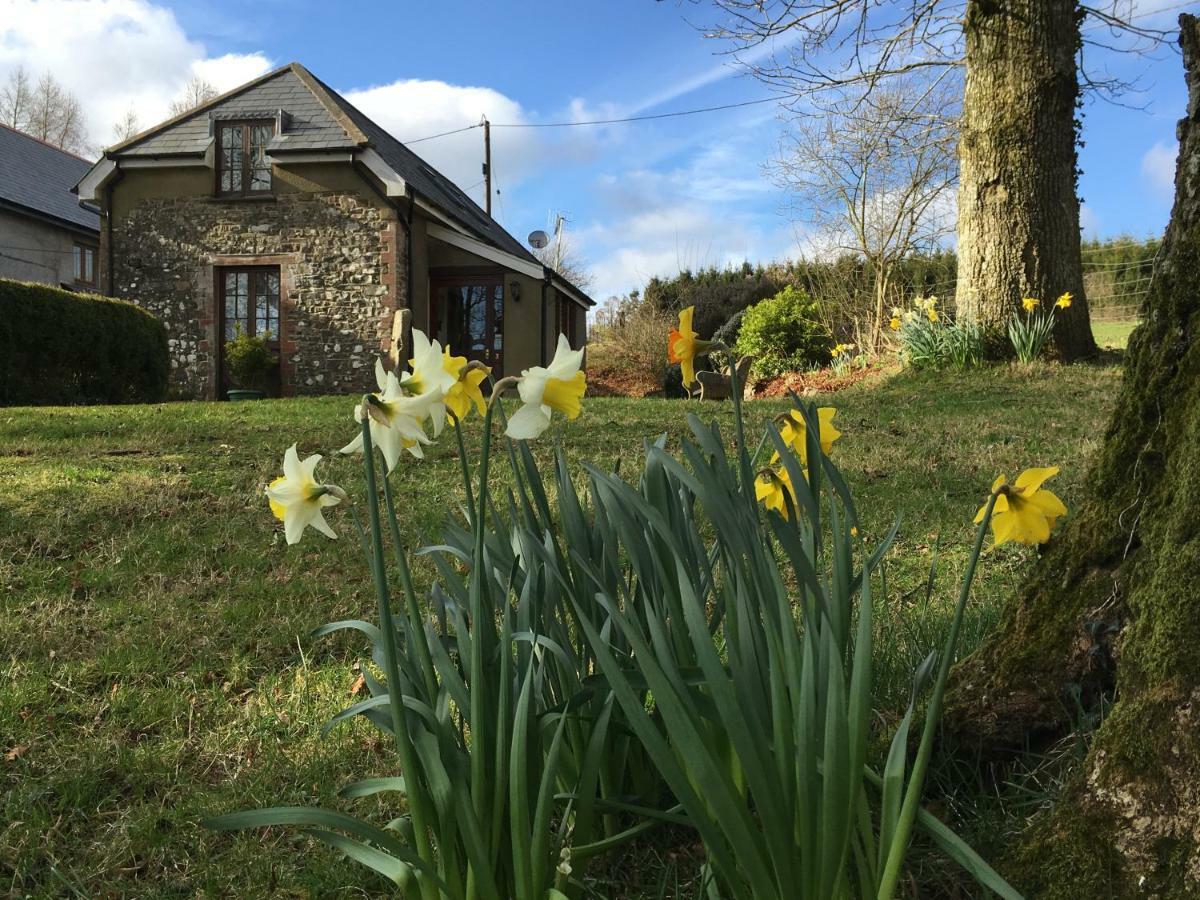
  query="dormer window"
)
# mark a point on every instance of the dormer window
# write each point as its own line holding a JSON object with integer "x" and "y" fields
{"x": 243, "y": 169}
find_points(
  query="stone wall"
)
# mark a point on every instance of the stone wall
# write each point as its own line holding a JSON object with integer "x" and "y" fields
{"x": 340, "y": 256}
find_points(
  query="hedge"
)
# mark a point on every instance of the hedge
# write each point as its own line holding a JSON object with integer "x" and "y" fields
{"x": 58, "y": 347}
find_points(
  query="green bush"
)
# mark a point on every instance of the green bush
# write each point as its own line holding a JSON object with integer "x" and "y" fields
{"x": 784, "y": 334}
{"x": 249, "y": 360}
{"x": 57, "y": 347}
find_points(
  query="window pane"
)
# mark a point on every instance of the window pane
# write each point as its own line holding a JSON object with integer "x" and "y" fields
{"x": 231, "y": 316}
{"x": 231, "y": 157}
{"x": 78, "y": 265}
{"x": 260, "y": 169}
{"x": 498, "y": 318}
{"x": 89, "y": 265}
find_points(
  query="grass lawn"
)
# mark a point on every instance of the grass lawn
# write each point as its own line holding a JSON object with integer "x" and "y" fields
{"x": 156, "y": 664}
{"x": 1113, "y": 335}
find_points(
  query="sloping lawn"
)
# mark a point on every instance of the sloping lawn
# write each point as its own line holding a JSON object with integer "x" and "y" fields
{"x": 154, "y": 652}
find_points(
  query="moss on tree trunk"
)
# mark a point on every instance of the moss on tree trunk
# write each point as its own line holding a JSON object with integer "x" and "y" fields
{"x": 1018, "y": 210}
{"x": 1114, "y": 606}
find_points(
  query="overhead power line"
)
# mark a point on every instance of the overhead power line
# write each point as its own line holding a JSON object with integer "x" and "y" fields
{"x": 618, "y": 121}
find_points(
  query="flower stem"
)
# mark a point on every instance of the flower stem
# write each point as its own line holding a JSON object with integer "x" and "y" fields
{"x": 933, "y": 713}
{"x": 404, "y": 746}
{"x": 416, "y": 628}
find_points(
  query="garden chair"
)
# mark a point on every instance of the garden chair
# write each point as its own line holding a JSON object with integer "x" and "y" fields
{"x": 719, "y": 385}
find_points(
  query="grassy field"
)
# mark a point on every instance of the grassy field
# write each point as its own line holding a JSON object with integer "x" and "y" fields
{"x": 156, "y": 664}
{"x": 1113, "y": 335}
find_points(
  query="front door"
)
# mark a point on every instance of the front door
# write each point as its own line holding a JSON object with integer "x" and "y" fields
{"x": 468, "y": 316}
{"x": 248, "y": 299}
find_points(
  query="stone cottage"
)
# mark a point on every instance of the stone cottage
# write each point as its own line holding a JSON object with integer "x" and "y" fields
{"x": 281, "y": 209}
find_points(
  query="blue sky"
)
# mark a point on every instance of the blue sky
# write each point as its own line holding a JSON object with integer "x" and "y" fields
{"x": 641, "y": 199}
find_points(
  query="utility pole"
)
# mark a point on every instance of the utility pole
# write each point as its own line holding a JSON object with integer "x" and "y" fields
{"x": 487, "y": 165}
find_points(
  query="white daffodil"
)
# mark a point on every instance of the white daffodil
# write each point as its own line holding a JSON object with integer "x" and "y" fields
{"x": 429, "y": 377}
{"x": 395, "y": 419}
{"x": 297, "y": 499}
{"x": 558, "y": 386}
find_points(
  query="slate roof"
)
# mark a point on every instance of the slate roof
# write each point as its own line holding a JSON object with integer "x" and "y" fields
{"x": 318, "y": 118}
{"x": 39, "y": 177}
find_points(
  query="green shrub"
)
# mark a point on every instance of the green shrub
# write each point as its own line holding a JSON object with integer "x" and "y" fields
{"x": 249, "y": 359}
{"x": 784, "y": 334}
{"x": 57, "y": 347}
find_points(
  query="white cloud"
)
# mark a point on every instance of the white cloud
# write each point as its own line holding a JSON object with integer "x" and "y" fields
{"x": 660, "y": 223}
{"x": 114, "y": 54}
{"x": 1158, "y": 167}
{"x": 415, "y": 109}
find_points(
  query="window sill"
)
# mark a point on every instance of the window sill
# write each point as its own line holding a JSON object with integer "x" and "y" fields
{"x": 243, "y": 198}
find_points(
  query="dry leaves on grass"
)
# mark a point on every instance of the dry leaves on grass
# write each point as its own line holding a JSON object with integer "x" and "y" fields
{"x": 806, "y": 384}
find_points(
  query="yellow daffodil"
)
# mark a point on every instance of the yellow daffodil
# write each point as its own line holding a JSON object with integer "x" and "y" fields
{"x": 395, "y": 419}
{"x": 1064, "y": 301}
{"x": 559, "y": 386}
{"x": 1030, "y": 303}
{"x": 465, "y": 392}
{"x": 297, "y": 499}
{"x": 794, "y": 432}
{"x": 428, "y": 378}
{"x": 1024, "y": 511}
{"x": 895, "y": 323}
{"x": 684, "y": 345}
{"x": 931, "y": 312}
{"x": 841, "y": 349}
{"x": 772, "y": 488}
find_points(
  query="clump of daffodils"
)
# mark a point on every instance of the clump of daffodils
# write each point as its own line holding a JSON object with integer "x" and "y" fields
{"x": 843, "y": 356}
{"x": 1029, "y": 333}
{"x": 409, "y": 411}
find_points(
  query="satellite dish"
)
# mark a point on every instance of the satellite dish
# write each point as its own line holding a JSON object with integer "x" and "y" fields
{"x": 538, "y": 239}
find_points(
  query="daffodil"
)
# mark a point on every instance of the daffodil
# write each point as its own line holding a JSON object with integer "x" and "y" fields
{"x": 297, "y": 498}
{"x": 1024, "y": 511}
{"x": 684, "y": 345}
{"x": 840, "y": 349}
{"x": 1030, "y": 303}
{"x": 465, "y": 392}
{"x": 395, "y": 419}
{"x": 895, "y": 323}
{"x": 1064, "y": 301}
{"x": 544, "y": 389}
{"x": 794, "y": 431}
{"x": 428, "y": 378}
{"x": 931, "y": 312}
{"x": 773, "y": 488}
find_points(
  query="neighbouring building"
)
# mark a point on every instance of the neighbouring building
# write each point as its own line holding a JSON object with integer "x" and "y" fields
{"x": 280, "y": 208}
{"x": 46, "y": 234}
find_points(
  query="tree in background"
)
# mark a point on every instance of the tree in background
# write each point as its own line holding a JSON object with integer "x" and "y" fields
{"x": 1018, "y": 208}
{"x": 44, "y": 109}
{"x": 873, "y": 173}
{"x": 196, "y": 93}
{"x": 127, "y": 127}
{"x": 563, "y": 256}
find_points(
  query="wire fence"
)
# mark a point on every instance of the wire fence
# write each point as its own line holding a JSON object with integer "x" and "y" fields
{"x": 1115, "y": 289}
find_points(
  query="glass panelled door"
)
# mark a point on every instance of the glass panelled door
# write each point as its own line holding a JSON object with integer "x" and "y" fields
{"x": 468, "y": 314}
{"x": 249, "y": 302}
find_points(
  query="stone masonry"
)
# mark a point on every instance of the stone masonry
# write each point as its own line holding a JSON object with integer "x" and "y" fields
{"x": 340, "y": 265}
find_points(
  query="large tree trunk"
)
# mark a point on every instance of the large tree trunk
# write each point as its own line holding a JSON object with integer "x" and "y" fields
{"x": 1018, "y": 211}
{"x": 1113, "y": 609}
